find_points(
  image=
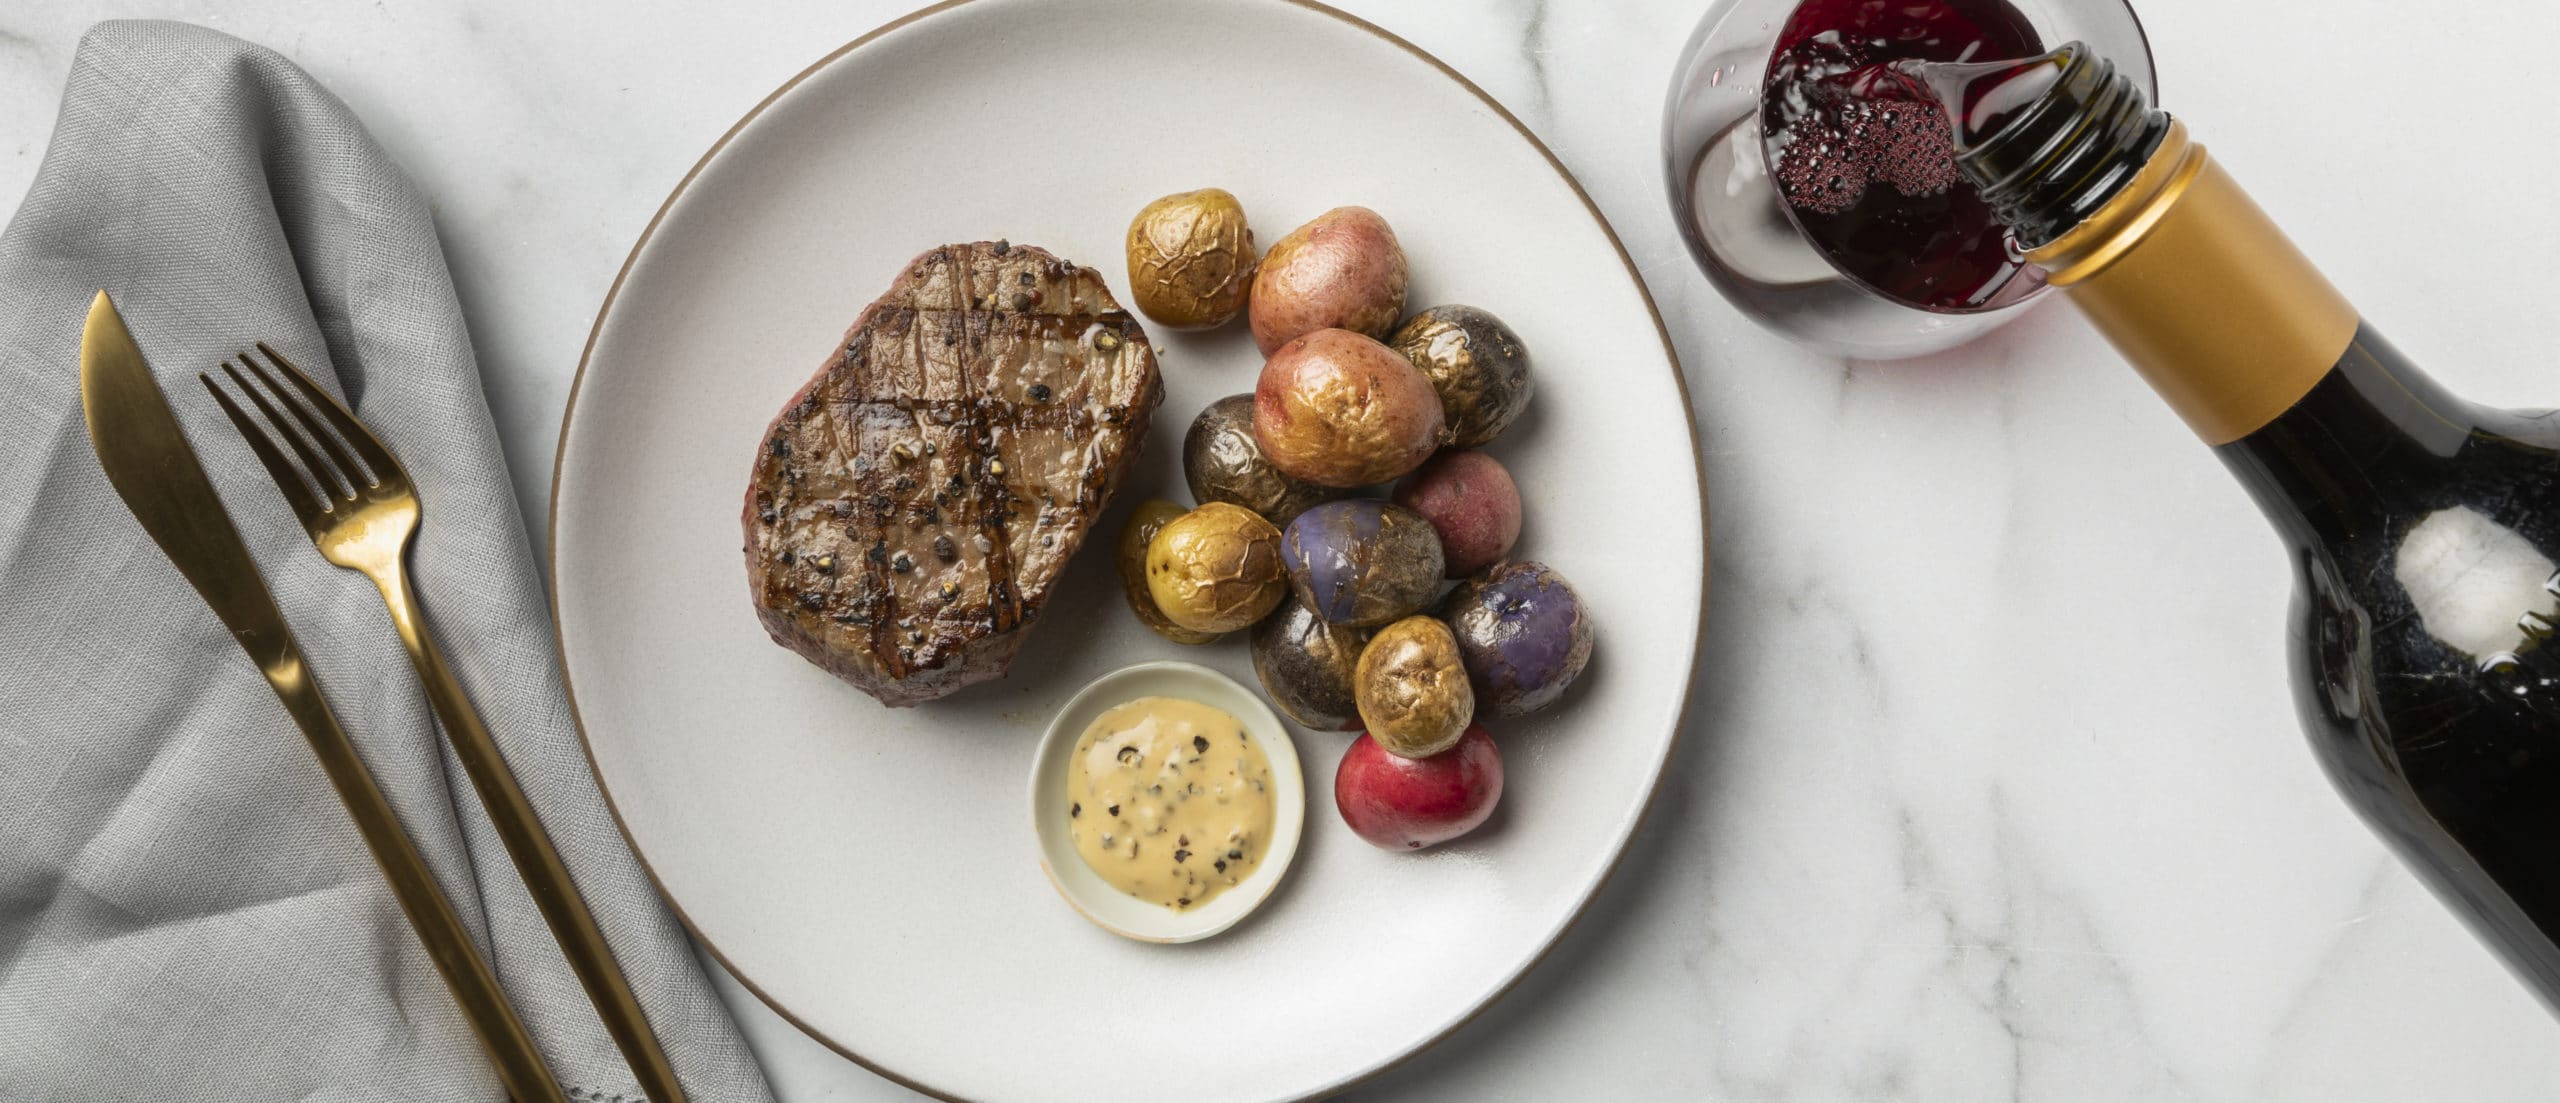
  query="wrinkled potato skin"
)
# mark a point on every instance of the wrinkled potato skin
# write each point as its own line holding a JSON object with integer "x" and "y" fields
{"x": 1338, "y": 409}
{"x": 1223, "y": 463}
{"x": 1477, "y": 366}
{"x": 1470, "y": 499}
{"x": 1413, "y": 692}
{"x": 1191, "y": 259}
{"x": 1343, "y": 270}
{"x": 1308, "y": 666}
{"x": 1522, "y": 632}
{"x": 1362, "y": 561}
{"x": 1144, "y": 522}
{"x": 1216, "y": 568}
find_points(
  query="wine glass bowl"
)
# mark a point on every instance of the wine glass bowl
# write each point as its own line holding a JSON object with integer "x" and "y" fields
{"x": 1826, "y": 277}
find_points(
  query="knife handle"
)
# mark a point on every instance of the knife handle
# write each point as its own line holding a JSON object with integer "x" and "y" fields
{"x": 546, "y": 877}
{"x": 510, "y": 1048}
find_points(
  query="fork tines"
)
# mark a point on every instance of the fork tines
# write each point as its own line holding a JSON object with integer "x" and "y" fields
{"x": 324, "y": 455}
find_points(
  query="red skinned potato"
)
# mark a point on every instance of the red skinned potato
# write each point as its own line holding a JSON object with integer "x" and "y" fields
{"x": 1471, "y": 500}
{"x": 1343, "y": 270}
{"x": 1409, "y": 803}
{"x": 1339, "y": 409}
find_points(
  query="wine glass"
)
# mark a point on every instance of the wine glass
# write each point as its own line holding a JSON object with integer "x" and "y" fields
{"x": 1752, "y": 242}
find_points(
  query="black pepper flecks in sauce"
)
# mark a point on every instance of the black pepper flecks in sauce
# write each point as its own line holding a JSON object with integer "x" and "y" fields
{"x": 1150, "y": 759}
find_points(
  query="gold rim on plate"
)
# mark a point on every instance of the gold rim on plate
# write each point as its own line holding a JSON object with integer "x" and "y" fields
{"x": 1679, "y": 380}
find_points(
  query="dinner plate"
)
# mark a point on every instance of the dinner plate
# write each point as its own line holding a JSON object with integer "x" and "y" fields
{"x": 870, "y": 872}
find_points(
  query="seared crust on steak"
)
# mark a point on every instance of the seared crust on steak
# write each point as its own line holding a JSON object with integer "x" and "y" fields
{"x": 913, "y": 505}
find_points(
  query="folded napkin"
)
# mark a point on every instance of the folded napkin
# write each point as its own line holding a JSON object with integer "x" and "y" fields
{"x": 186, "y": 912}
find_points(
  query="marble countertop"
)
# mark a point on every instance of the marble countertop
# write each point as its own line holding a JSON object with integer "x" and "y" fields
{"x": 1994, "y": 787}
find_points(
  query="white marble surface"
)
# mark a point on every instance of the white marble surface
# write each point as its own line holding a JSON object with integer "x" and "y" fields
{"x": 1993, "y": 787}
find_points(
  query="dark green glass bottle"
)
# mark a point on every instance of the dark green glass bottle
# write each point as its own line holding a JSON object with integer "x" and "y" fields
{"x": 2424, "y": 529}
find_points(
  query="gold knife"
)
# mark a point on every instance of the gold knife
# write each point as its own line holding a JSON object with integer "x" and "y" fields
{"x": 147, "y": 460}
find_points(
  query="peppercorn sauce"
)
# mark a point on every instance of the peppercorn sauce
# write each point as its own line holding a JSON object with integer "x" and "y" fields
{"x": 1169, "y": 800}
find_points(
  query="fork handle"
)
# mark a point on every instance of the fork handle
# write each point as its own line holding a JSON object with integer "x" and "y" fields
{"x": 511, "y": 1051}
{"x": 537, "y": 861}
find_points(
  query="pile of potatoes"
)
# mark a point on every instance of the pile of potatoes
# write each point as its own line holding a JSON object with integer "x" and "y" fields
{"x": 1340, "y": 584}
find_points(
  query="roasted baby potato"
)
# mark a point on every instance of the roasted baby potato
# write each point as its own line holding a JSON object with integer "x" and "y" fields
{"x": 1223, "y": 463}
{"x": 1523, "y": 633}
{"x": 1361, "y": 561}
{"x": 1470, "y": 499}
{"x": 1412, "y": 689}
{"x": 1307, "y": 665}
{"x": 1475, "y": 363}
{"x": 1144, "y": 522}
{"x": 1191, "y": 259}
{"x": 1343, "y": 270}
{"x": 1404, "y": 804}
{"x": 1216, "y": 568}
{"x": 1337, "y": 409}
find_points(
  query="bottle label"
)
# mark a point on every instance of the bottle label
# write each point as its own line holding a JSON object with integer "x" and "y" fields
{"x": 2202, "y": 293}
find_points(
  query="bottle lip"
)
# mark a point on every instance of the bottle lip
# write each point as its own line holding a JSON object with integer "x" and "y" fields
{"x": 2119, "y": 225}
{"x": 2071, "y": 59}
{"x": 2045, "y": 166}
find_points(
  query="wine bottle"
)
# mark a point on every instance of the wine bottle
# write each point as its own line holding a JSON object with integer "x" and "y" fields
{"x": 2424, "y": 529}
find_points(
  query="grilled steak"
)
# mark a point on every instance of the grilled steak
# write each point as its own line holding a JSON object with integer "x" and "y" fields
{"x": 914, "y": 504}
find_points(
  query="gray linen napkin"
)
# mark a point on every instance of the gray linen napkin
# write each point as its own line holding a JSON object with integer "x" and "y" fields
{"x": 185, "y": 911}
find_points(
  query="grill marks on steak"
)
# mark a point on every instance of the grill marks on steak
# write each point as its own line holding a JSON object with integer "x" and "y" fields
{"x": 913, "y": 506}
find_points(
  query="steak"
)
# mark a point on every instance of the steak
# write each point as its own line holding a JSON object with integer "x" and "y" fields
{"x": 914, "y": 505}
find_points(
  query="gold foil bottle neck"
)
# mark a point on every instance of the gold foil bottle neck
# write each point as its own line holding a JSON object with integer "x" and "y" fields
{"x": 2202, "y": 293}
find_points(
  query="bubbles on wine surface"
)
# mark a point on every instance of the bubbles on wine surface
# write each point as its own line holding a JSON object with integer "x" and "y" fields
{"x": 1871, "y": 141}
{"x": 1864, "y": 158}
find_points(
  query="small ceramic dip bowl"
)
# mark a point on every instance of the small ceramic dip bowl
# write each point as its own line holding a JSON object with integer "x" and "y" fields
{"x": 1085, "y": 890}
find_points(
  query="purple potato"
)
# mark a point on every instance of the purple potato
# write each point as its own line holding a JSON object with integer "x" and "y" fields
{"x": 1522, "y": 633}
{"x": 1361, "y": 561}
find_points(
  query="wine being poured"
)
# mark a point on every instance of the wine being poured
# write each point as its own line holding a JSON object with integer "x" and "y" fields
{"x": 2424, "y": 529}
{"x": 1908, "y": 263}
{"x": 1861, "y": 152}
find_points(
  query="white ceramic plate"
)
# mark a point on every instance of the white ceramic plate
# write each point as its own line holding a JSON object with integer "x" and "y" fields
{"x": 869, "y": 871}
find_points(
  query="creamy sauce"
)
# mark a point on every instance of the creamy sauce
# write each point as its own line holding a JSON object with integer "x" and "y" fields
{"x": 1169, "y": 800}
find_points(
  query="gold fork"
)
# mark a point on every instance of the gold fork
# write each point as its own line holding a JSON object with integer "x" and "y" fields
{"x": 362, "y": 519}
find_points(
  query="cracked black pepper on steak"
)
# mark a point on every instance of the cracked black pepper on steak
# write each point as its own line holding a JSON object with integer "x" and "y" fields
{"x": 944, "y": 463}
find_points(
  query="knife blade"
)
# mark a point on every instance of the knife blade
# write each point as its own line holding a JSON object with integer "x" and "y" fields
{"x": 149, "y": 462}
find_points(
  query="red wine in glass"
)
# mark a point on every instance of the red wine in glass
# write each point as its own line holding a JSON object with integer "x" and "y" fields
{"x": 1861, "y": 152}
